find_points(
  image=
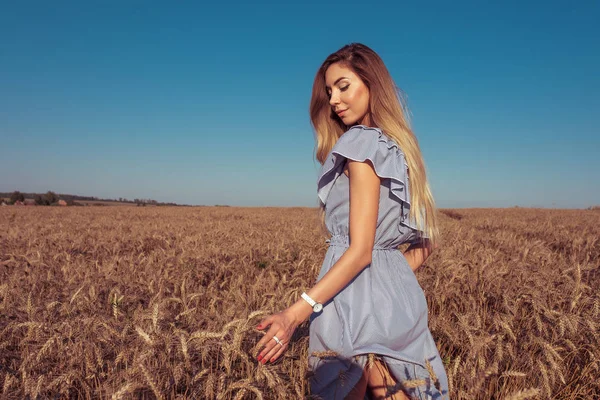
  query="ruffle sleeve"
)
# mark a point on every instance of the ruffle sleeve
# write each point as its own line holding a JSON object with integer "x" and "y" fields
{"x": 360, "y": 143}
{"x": 416, "y": 236}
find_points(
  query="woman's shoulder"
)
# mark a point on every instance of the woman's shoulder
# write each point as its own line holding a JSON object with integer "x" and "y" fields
{"x": 362, "y": 135}
{"x": 356, "y": 130}
{"x": 360, "y": 143}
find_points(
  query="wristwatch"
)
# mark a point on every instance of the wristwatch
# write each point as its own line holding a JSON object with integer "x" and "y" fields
{"x": 317, "y": 307}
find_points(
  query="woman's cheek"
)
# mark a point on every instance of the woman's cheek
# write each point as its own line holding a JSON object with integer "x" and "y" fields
{"x": 361, "y": 97}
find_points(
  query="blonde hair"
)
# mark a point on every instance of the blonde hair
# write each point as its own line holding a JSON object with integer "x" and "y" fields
{"x": 387, "y": 112}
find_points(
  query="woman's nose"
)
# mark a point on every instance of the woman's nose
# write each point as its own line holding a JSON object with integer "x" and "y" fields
{"x": 334, "y": 99}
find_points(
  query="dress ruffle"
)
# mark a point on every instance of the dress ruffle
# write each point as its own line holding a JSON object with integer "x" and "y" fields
{"x": 360, "y": 143}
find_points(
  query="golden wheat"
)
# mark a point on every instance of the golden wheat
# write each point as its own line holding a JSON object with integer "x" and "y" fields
{"x": 163, "y": 302}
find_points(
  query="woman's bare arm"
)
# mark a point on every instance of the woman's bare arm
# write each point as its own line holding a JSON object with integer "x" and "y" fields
{"x": 364, "y": 207}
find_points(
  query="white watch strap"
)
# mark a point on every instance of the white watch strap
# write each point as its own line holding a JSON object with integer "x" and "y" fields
{"x": 308, "y": 299}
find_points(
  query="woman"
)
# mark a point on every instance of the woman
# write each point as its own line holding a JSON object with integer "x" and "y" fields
{"x": 368, "y": 315}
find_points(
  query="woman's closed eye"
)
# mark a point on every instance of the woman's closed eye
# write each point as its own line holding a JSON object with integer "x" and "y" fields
{"x": 342, "y": 89}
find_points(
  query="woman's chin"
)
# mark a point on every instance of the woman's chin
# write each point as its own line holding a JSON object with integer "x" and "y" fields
{"x": 348, "y": 121}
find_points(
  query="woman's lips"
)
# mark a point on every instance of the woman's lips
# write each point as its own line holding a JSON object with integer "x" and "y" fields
{"x": 340, "y": 113}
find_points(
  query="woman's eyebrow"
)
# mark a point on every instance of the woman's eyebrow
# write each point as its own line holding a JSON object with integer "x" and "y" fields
{"x": 335, "y": 83}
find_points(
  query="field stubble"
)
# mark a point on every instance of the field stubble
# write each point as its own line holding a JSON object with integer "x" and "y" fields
{"x": 163, "y": 302}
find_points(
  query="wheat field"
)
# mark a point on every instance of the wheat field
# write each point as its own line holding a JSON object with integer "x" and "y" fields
{"x": 126, "y": 302}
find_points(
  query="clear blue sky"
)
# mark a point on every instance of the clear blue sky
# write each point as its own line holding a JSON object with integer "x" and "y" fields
{"x": 208, "y": 104}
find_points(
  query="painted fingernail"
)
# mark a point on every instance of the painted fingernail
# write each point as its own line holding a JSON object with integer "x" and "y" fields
{"x": 264, "y": 361}
{"x": 259, "y": 358}
{"x": 272, "y": 359}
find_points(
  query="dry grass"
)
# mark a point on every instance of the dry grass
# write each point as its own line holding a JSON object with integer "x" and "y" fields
{"x": 159, "y": 303}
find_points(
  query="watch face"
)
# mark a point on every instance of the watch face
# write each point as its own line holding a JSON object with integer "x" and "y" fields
{"x": 318, "y": 307}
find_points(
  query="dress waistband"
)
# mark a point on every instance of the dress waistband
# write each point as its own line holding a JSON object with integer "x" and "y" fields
{"x": 344, "y": 241}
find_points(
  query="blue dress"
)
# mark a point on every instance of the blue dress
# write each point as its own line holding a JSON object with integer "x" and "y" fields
{"x": 383, "y": 310}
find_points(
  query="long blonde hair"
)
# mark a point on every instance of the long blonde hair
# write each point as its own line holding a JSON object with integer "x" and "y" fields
{"x": 387, "y": 112}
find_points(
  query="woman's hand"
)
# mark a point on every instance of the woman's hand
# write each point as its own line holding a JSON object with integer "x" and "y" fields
{"x": 283, "y": 325}
{"x": 416, "y": 254}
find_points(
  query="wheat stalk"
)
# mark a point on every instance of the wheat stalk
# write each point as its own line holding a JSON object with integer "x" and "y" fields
{"x": 524, "y": 394}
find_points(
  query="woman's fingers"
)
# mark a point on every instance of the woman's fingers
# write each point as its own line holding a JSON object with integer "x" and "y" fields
{"x": 268, "y": 342}
{"x": 272, "y": 349}
{"x": 262, "y": 356}
{"x": 278, "y": 352}
{"x": 281, "y": 326}
{"x": 265, "y": 322}
{"x": 268, "y": 337}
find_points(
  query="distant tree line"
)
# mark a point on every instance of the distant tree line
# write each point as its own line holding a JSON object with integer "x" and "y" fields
{"x": 46, "y": 199}
{"x": 150, "y": 202}
{"x": 66, "y": 197}
{"x": 16, "y": 196}
{"x": 145, "y": 202}
{"x": 50, "y": 198}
